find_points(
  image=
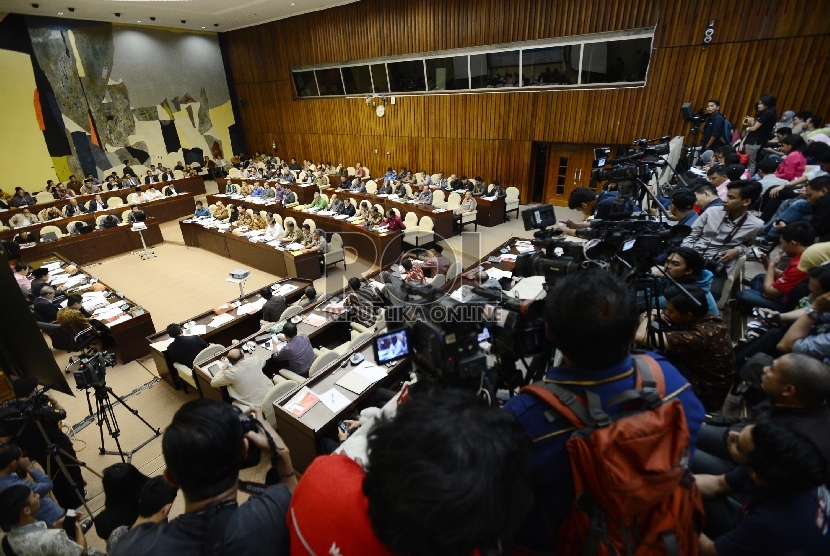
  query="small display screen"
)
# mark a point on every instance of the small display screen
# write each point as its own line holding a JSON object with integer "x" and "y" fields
{"x": 485, "y": 335}
{"x": 213, "y": 369}
{"x": 391, "y": 346}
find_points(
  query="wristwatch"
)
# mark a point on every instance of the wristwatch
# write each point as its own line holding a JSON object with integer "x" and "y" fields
{"x": 812, "y": 313}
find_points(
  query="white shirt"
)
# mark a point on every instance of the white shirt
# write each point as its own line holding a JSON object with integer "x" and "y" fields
{"x": 245, "y": 381}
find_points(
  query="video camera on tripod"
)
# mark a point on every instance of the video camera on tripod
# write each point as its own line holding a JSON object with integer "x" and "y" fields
{"x": 36, "y": 407}
{"x": 92, "y": 369}
{"x": 630, "y": 174}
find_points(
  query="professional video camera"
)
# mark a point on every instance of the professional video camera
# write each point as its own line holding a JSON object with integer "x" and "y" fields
{"x": 36, "y": 408}
{"x": 630, "y": 174}
{"x": 92, "y": 369}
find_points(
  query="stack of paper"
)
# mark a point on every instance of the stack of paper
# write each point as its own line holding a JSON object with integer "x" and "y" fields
{"x": 341, "y": 217}
{"x": 531, "y": 287}
{"x": 335, "y": 307}
{"x": 220, "y": 320}
{"x": 118, "y": 320}
{"x": 294, "y": 246}
{"x": 462, "y": 294}
{"x": 162, "y": 344}
{"x": 315, "y": 320}
{"x": 52, "y": 266}
{"x": 326, "y": 212}
{"x": 196, "y": 330}
{"x": 334, "y": 400}
{"x": 284, "y": 289}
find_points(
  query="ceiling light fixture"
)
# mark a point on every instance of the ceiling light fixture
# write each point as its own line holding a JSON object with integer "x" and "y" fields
{"x": 203, "y": 26}
{"x": 60, "y": 13}
{"x": 139, "y": 21}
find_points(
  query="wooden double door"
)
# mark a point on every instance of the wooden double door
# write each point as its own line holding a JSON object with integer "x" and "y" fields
{"x": 566, "y": 167}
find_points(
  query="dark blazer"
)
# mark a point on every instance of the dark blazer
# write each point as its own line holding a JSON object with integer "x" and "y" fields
{"x": 184, "y": 349}
{"x": 150, "y": 179}
{"x": 93, "y": 205}
{"x": 273, "y": 308}
{"x": 70, "y": 210}
{"x": 172, "y": 190}
{"x": 47, "y": 310}
{"x": 167, "y": 176}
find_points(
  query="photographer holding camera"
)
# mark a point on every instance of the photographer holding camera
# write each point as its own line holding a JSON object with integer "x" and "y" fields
{"x": 591, "y": 317}
{"x": 205, "y": 446}
{"x": 591, "y": 205}
{"x": 23, "y": 430}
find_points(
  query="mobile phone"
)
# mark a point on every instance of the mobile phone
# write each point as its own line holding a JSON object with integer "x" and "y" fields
{"x": 757, "y": 251}
{"x": 343, "y": 426}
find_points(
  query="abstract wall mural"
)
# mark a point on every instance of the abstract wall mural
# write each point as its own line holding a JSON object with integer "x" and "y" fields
{"x": 102, "y": 93}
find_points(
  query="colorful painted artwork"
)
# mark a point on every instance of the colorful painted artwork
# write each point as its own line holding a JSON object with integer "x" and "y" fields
{"x": 100, "y": 94}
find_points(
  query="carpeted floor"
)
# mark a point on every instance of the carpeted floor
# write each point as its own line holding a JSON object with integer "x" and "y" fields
{"x": 179, "y": 283}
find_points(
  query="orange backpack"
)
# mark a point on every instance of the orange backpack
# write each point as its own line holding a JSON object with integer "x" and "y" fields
{"x": 635, "y": 494}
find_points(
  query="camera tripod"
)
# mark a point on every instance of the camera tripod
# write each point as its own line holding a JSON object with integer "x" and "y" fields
{"x": 105, "y": 415}
{"x": 57, "y": 454}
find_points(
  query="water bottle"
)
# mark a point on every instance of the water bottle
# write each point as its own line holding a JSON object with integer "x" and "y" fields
{"x": 69, "y": 524}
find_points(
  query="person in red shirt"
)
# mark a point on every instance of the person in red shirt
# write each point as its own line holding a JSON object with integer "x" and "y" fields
{"x": 770, "y": 289}
{"x": 393, "y": 221}
{"x": 412, "y": 273}
{"x": 420, "y": 494}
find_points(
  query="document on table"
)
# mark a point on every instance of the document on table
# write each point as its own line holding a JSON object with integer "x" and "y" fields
{"x": 370, "y": 371}
{"x": 161, "y": 345}
{"x": 119, "y": 320}
{"x": 294, "y": 246}
{"x": 302, "y": 401}
{"x": 315, "y": 320}
{"x": 354, "y": 382}
{"x": 462, "y": 294}
{"x": 284, "y": 289}
{"x": 334, "y": 400}
{"x": 220, "y": 320}
{"x": 54, "y": 265}
{"x": 196, "y": 330}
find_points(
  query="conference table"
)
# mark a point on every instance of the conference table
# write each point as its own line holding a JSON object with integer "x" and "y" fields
{"x": 257, "y": 255}
{"x": 305, "y": 191}
{"x": 240, "y": 325}
{"x": 163, "y": 210}
{"x": 129, "y": 331}
{"x": 301, "y": 434}
{"x": 191, "y": 185}
{"x": 96, "y": 245}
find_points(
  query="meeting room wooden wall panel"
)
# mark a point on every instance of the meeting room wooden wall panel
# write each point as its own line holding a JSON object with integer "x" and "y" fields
{"x": 344, "y": 130}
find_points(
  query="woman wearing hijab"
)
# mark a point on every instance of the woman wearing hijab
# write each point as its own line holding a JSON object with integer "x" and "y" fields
{"x": 786, "y": 120}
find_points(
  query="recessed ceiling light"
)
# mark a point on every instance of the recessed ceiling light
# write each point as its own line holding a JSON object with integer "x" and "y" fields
{"x": 203, "y": 26}
{"x": 60, "y": 13}
{"x": 139, "y": 21}
{"x": 292, "y": 3}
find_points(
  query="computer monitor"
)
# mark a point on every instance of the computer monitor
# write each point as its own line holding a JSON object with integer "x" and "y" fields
{"x": 391, "y": 346}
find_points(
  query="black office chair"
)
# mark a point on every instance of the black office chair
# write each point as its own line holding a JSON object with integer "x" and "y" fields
{"x": 64, "y": 340}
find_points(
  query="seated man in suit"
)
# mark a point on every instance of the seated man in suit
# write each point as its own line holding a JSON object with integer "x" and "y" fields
{"x": 26, "y": 238}
{"x": 136, "y": 215}
{"x": 297, "y": 355}
{"x": 150, "y": 178}
{"x": 97, "y": 204}
{"x": 23, "y": 219}
{"x": 358, "y": 186}
{"x": 289, "y": 197}
{"x": 170, "y": 190}
{"x": 21, "y": 198}
{"x": 425, "y": 196}
{"x": 74, "y": 208}
{"x": 335, "y": 204}
{"x": 183, "y": 349}
{"x": 274, "y": 306}
{"x": 40, "y": 280}
{"x": 400, "y": 190}
{"x": 44, "y": 307}
{"x": 130, "y": 181}
{"x": 348, "y": 208}
{"x": 268, "y": 192}
{"x": 244, "y": 378}
{"x": 167, "y": 175}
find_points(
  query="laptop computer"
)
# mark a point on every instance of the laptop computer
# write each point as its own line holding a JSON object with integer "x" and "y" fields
{"x": 49, "y": 237}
